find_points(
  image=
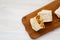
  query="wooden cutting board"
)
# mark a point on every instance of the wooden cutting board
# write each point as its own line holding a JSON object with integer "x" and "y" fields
{"x": 49, "y": 26}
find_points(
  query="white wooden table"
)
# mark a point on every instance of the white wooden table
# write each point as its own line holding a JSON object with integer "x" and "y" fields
{"x": 11, "y": 13}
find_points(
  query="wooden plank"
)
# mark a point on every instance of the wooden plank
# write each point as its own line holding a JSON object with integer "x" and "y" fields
{"x": 49, "y": 26}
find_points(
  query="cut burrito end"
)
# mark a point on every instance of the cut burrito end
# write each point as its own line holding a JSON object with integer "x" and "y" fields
{"x": 37, "y": 23}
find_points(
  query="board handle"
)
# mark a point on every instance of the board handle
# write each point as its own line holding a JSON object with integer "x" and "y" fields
{"x": 57, "y": 0}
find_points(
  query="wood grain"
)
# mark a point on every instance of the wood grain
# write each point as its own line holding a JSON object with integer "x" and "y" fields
{"x": 49, "y": 26}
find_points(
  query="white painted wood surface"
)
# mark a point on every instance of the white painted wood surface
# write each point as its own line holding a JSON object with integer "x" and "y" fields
{"x": 11, "y": 13}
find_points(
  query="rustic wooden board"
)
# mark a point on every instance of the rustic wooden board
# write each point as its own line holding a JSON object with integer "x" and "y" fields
{"x": 49, "y": 26}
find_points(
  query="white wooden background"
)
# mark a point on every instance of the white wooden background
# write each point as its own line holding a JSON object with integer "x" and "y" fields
{"x": 11, "y": 13}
